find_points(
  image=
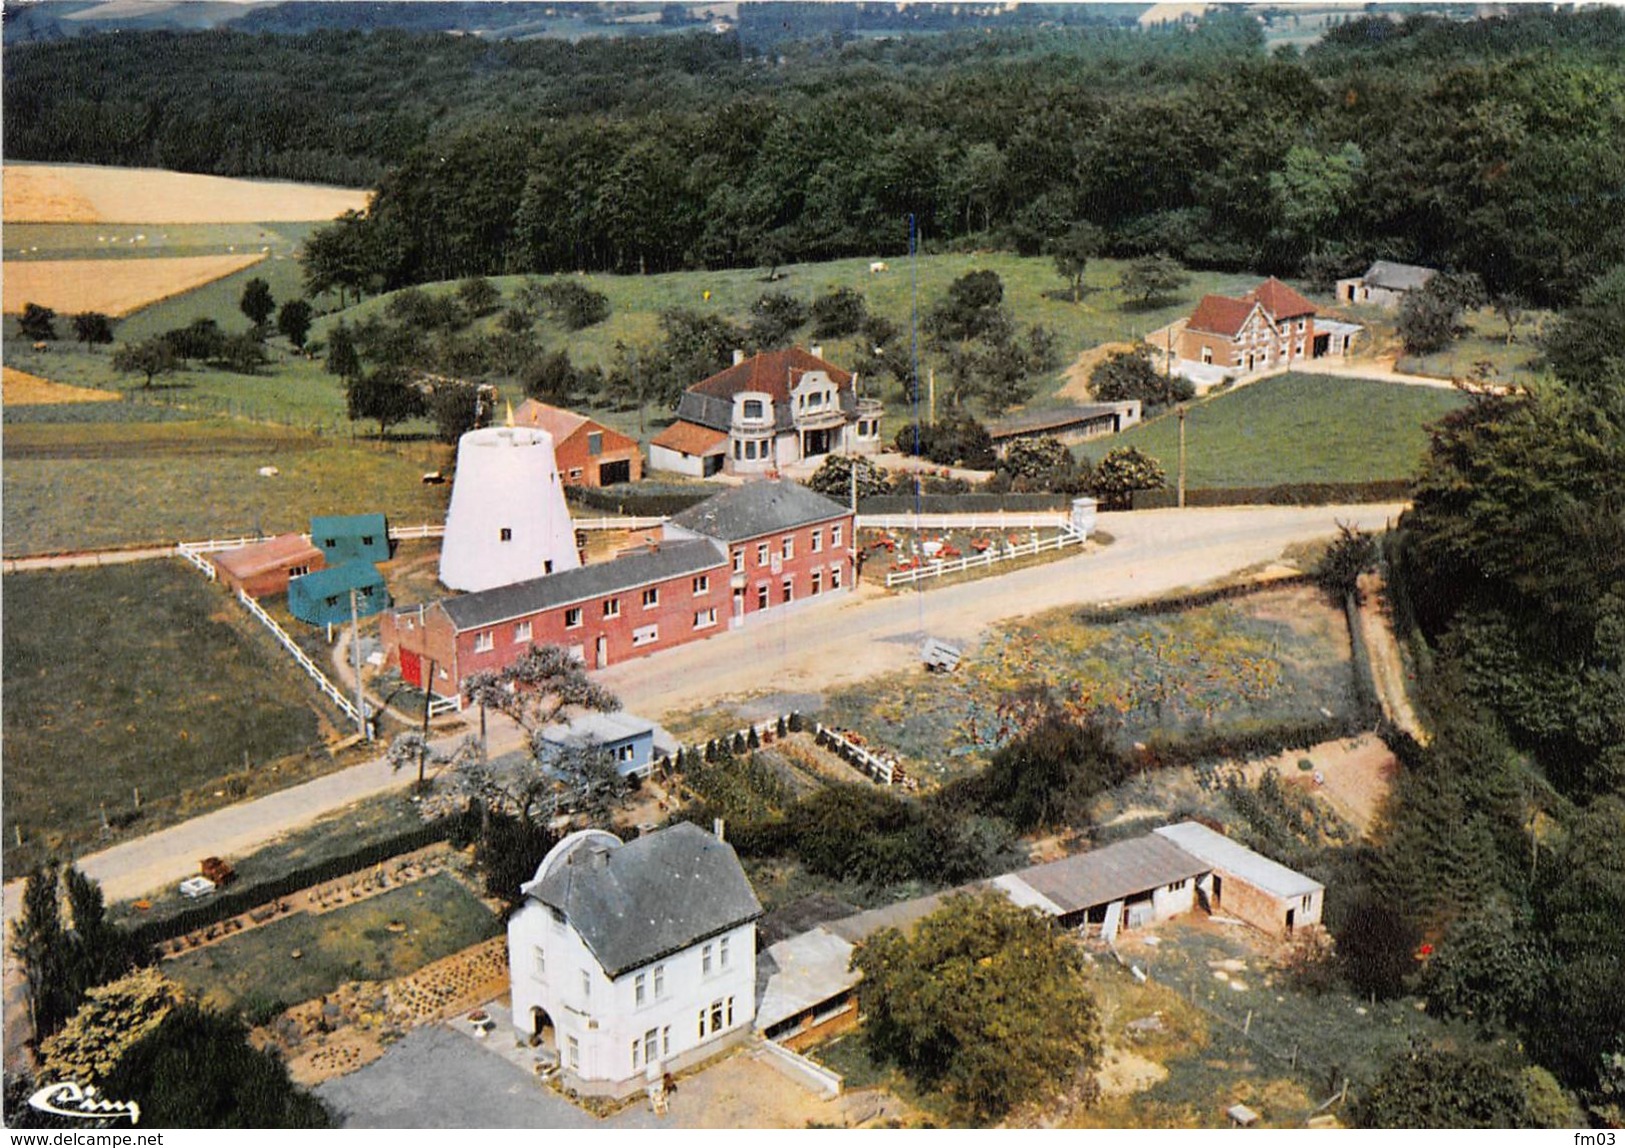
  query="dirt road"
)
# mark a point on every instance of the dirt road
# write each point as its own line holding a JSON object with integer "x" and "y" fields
{"x": 870, "y": 632}
{"x": 1387, "y": 666}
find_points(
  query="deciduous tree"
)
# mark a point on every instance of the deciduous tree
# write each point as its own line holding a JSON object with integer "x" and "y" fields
{"x": 1151, "y": 278}
{"x": 37, "y": 323}
{"x": 1124, "y": 470}
{"x": 385, "y": 395}
{"x": 92, "y": 327}
{"x": 149, "y": 358}
{"x": 293, "y": 322}
{"x": 257, "y": 302}
{"x": 982, "y": 1000}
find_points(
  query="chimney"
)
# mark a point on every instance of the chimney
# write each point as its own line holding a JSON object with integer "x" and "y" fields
{"x": 716, "y": 829}
{"x": 600, "y": 858}
{"x": 739, "y": 356}
{"x": 816, "y": 350}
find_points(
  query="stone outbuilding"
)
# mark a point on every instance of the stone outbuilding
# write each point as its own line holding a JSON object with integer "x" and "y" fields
{"x": 1245, "y": 884}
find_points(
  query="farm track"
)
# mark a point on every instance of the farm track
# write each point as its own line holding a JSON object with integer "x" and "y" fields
{"x": 168, "y": 447}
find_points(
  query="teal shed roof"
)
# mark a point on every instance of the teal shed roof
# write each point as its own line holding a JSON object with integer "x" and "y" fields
{"x": 308, "y": 596}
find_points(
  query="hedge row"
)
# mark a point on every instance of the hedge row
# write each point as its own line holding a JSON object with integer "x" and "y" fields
{"x": 962, "y": 503}
{"x": 1365, "y": 683}
{"x": 1284, "y": 494}
{"x": 1267, "y": 741}
{"x": 641, "y": 500}
{"x": 244, "y": 898}
{"x": 1178, "y": 604}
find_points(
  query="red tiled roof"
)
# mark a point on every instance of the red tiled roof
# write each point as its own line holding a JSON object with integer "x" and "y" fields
{"x": 258, "y": 557}
{"x": 559, "y": 423}
{"x": 563, "y": 424}
{"x": 1220, "y": 315}
{"x": 772, "y": 372}
{"x": 688, "y": 438}
{"x": 1281, "y": 301}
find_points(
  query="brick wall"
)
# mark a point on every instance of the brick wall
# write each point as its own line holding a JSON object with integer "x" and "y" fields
{"x": 830, "y": 561}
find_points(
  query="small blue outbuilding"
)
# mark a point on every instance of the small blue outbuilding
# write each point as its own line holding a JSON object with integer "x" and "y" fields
{"x": 351, "y": 537}
{"x": 322, "y": 598}
{"x": 629, "y": 739}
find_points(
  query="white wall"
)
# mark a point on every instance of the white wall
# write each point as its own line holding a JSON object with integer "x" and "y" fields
{"x": 606, "y": 1017}
{"x": 664, "y": 458}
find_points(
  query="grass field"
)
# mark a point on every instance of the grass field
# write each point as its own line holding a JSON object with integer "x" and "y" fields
{"x": 82, "y": 193}
{"x": 133, "y": 676}
{"x": 83, "y": 485}
{"x": 113, "y": 286}
{"x": 1485, "y": 348}
{"x": 30, "y": 241}
{"x": 1295, "y": 428}
{"x": 1282, "y": 655}
{"x": 255, "y": 969}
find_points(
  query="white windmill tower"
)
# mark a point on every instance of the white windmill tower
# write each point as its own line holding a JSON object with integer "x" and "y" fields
{"x": 508, "y": 522}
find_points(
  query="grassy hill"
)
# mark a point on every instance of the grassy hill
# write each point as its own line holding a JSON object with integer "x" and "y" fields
{"x": 1296, "y": 428}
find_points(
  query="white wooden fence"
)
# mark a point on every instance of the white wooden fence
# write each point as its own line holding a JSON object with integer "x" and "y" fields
{"x": 936, "y": 567}
{"x": 883, "y": 769}
{"x": 333, "y": 692}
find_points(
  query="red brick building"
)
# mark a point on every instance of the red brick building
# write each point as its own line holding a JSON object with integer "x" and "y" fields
{"x": 267, "y": 567}
{"x": 785, "y": 543}
{"x": 661, "y": 596}
{"x": 1272, "y": 325}
{"x": 759, "y": 547}
{"x": 588, "y": 453}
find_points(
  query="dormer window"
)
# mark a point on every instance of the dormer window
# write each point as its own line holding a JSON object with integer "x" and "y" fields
{"x": 755, "y": 409}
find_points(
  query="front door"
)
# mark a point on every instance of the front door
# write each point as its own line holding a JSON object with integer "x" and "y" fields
{"x": 412, "y": 668}
{"x": 603, "y": 652}
{"x": 1218, "y": 889}
{"x": 1291, "y": 914}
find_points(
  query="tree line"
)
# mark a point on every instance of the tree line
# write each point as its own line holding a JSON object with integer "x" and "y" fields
{"x": 1500, "y": 157}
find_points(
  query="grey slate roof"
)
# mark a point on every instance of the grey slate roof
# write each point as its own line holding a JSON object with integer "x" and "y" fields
{"x": 671, "y": 560}
{"x": 758, "y": 508}
{"x": 1219, "y": 852}
{"x": 649, "y": 898}
{"x": 1113, "y": 873}
{"x": 599, "y": 728}
{"x": 1397, "y": 276}
{"x": 708, "y": 411}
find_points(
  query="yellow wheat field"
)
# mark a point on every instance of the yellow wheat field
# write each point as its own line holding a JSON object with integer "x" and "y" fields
{"x": 113, "y": 286}
{"x": 66, "y": 193}
{"x": 22, "y": 390}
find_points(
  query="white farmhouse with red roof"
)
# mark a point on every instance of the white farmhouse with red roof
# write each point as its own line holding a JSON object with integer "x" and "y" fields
{"x": 765, "y": 413}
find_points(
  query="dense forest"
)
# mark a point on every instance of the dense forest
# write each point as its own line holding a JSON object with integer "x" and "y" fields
{"x": 1492, "y": 146}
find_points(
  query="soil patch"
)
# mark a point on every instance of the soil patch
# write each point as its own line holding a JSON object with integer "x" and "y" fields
{"x": 1076, "y": 385}
{"x": 18, "y": 389}
{"x": 113, "y": 286}
{"x": 76, "y": 193}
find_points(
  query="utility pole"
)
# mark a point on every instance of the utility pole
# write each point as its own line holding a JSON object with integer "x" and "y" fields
{"x": 423, "y": 744}
{"x": 931, "y": 390}
{"x": 355, "y": 659}
{"x": 1182, "y": 456}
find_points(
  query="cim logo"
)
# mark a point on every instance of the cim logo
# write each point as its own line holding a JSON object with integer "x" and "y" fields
{"x": 82, "y": 1103}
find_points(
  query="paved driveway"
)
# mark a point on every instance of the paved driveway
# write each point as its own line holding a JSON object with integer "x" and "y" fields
{"x": 437, "y": 1078}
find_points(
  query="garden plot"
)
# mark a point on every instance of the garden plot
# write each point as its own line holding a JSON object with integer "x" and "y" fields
{"x": 1273, "y": 657}
{"x": 883, "y": 552}
{"x": 305, "y": 955}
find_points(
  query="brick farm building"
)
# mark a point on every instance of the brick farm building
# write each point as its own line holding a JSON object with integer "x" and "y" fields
{"x": 760, "y": 547}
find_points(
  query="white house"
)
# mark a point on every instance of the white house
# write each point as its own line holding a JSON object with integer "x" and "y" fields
{"x": 634, "y": 959}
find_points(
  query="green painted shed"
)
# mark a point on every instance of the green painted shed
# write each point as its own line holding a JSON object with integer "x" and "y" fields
{"x": 323, "y": 597}
{"x": 351, "y": 537}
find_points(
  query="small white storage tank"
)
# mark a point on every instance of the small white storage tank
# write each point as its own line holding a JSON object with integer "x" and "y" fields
{"x": 508, "y": 520}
